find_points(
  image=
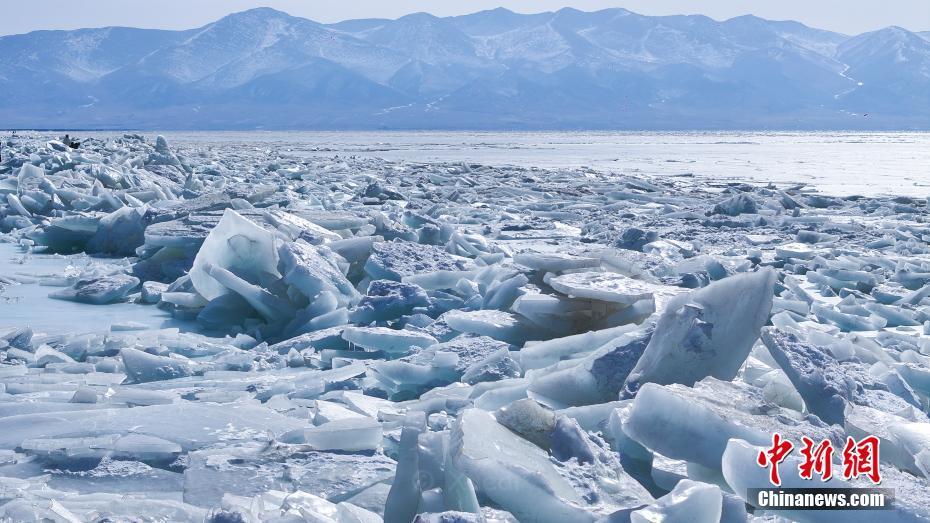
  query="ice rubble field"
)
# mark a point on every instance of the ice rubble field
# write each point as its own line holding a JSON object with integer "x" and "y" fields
{"x": 448, "y": 342}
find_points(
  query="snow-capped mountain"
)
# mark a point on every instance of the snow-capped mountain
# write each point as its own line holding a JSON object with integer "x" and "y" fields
{"x": 493, "y": 69}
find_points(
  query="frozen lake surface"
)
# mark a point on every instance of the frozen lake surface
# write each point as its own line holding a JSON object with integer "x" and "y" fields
{"x": 837, "y": 163}
{"x": 29, "y": 303}
{"x": 408, "y": 326}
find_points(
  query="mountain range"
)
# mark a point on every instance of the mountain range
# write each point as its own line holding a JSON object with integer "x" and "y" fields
{"x": 610, "y": 69}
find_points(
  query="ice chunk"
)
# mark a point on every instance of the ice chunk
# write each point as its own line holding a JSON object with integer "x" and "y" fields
{"x": 735, "y": 205}
{"x": 326, "y": 411}
{"x": 397, "y": 259}
{"x": 543, "y": 354}
{"x": 99, "y": 290}
{"x": 313, "y": 270}
{"x": 349, "y": 435}
{"x": 388, "y": 300}
{"x": 273, "y": 308}
{"x": 689, "y": 501}
{"x": 497, "y": 366}
{"x": 17, "y": 205}
{"x": 119, "y": 233}
{"x": 513, "y": 472}
{"x": 236, "y": 244}
{"x": 529, "y": 419}
{"x": 818, "y": 377}
{"x": 295, "y": 227}
{"x": 608, "y": 286}
{"x": 388, "y": 340}
{"x": 554, "y": 261}
{"x": 404, "y": 497}
{"x": 599, "y": 377}
{"x": 708, "y": 332}
{"x": 499, "y": 325}
{"x": 142, "y": 367}
{"x": 694, "y": 424}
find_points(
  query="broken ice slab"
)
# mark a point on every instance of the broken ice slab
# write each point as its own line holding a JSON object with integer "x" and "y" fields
{"x": 88, "y": 451}
{"x": 827, "y": 384}
{"x": 141, "y": 366}
{"x": 513, "y": 472}
{"x": 190, "y": 425}
{"x": 611, "y": 287}
{"x": 545, "y": 353}
{"x": 235, "y": 244}
{"x": 388, "y": 300}
{"x": 349, "y": 435}
{"x": 313, "y": 270}
{"x": 248, "y": 469}
{"x": 388, "y": 340}
{"x": 694, "y": 423}
{"x": 598, "y": 377}
{"x": 395, "y": 260}
{"x": 470, "y": 350}
{"x": 688, "y": 501}
{"x": 708, "y": 332}
{"x": 500, "y": 325}
{"x": 554, "y": 262}
{"x": 904, "y": 436}
{"x": 99, "y": 290}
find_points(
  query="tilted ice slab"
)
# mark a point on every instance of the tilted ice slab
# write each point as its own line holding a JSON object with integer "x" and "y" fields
{"x": 499, "y": 325}
{"x": 598, "y": 377}
{"x": 708, "y": 332}
{"x": 827, "y": 385}
{"x": 904, "y": 435}
{"x": 142, "y": 367}
{"x": 237, "y": 245}
{"x": 688, "y": 501}
{"x": 350, "y": 435}
{"x": 694, "y": 424}
{"x": 313, "y": 270}
{"x": 513, "y": 472}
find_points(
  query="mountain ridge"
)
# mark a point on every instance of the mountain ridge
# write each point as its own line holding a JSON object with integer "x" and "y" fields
{"x": 495, "y": 69}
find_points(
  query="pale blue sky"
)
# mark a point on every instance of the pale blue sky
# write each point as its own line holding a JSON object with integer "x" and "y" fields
{"x": 847, "y": 16}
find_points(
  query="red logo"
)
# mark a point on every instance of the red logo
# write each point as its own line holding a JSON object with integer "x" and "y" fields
{"x": 859, "y": 458}
{"x": 819, "y": 459}
{"x": 774, "y": 455}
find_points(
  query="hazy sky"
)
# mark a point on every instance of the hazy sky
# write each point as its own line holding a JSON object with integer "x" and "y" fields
{"x": 847, "y": 16}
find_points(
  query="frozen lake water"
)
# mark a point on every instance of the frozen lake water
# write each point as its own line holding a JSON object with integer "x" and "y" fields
{"x": 838, "y": 163}
{"x": 28, "y": 303}
{"x": 530, "y": 327}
